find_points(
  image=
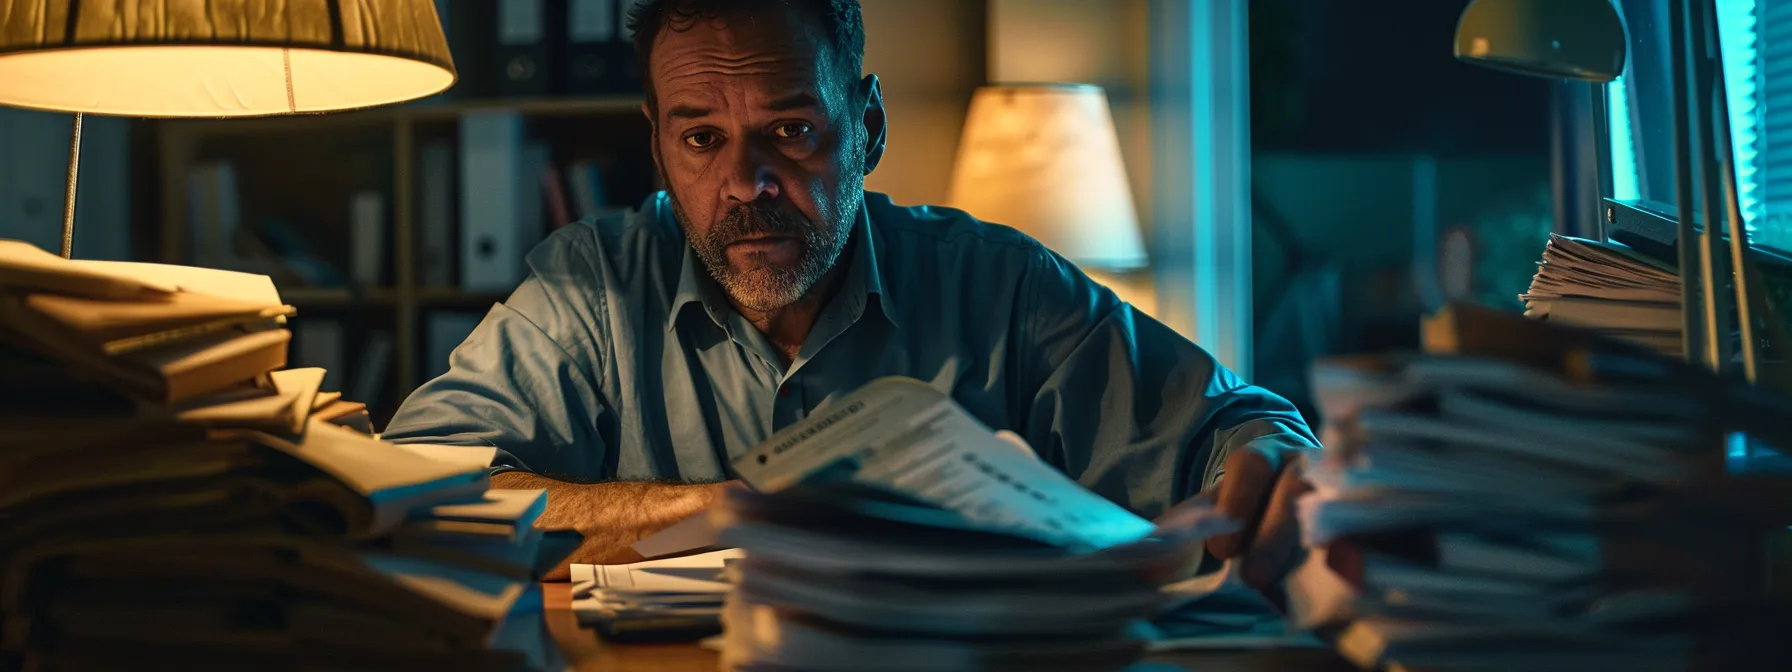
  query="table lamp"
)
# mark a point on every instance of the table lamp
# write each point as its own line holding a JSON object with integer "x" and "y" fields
{"x": 1587, "y": 40}
{"x": 1568, "y": 39}
{"x": 1044, "y": 158}
{"x": 218, "y": 58}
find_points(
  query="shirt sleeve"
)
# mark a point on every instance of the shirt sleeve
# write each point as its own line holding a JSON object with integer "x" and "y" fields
{"x": 515, "y": 386}
{"x": 1124, "y": 404}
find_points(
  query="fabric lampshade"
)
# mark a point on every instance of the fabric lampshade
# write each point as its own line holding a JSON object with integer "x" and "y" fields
{"x": 219, "y": 58}
{"x": 1044, "y": 158}
{"x": 1567, "y": 39}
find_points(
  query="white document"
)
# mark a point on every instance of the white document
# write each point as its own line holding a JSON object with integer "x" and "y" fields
{"x": 900, "y": 435}
{"x": 23, "y": 266}
{"x": 686, "y": 535}
{"x": 663, "y": 580}
{"x": 470, "y": 456}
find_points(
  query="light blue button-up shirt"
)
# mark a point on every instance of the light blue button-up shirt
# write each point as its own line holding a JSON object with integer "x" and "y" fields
{"x": 620, "y": 359}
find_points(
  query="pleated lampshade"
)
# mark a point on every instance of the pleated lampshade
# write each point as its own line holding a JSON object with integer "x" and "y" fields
{"x": 1045, "y": 159}
{"x": 219, "y": 58}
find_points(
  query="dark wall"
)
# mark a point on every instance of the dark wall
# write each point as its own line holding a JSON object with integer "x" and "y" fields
{"x": 1370, "y": 142}
{"x": 1380, "y": 76}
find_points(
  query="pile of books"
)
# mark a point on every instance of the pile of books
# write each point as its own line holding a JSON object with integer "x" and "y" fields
{"x": 171, "y": 494}
{"x": 892, "y": 531}
{"x": 1525, "y": 496}
{"x": 1608, "y": 288}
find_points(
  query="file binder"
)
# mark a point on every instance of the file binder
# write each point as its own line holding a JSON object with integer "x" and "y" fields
{"x": 525, "y": 53}
{"x": 591, "y": 46}
{"x": 494, "y": 181}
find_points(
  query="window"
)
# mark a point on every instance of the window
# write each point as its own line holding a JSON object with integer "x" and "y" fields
{"x": 1771, "y": 120}
{"x": 1756, "y": 37}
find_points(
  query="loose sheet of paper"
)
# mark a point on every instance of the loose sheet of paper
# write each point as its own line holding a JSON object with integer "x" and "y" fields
{"x": 686, "y": 535}
{"x": 900, "y": 435}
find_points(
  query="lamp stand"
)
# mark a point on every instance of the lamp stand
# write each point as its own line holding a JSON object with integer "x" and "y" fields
{"x": 1705, "y": 167}
{"x": 68, "y": 203}
{"x": 1725, "y": 206}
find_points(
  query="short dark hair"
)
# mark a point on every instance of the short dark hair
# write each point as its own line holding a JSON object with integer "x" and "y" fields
{"x": 840, "y": 21}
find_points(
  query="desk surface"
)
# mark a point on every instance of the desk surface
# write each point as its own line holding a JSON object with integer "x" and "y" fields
{"x": 589, "y": 654}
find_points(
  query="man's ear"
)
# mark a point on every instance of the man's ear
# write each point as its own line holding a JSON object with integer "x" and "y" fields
{"x": 876, "y": 123}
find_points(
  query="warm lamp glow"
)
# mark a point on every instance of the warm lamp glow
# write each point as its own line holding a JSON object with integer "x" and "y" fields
{"x": 1044, "y": 158}
{"x": 220, "y": 58}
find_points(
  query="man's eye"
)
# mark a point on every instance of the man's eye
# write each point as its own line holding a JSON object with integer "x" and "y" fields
{"x": 700, "y": 140}
{"x": 795, "y": 129}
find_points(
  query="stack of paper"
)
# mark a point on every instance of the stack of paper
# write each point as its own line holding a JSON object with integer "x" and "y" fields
{"x": 893, "y": 532}
{"x": 671, "y": 598}
{"x": 167, "y": 492}
{"x": 1218, "y": 611}
{"x": 1609, "y": 288}
{"x": 1500, "y": 502}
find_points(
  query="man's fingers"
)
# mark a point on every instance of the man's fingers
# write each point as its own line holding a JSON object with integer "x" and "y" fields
{"x": 1276, "y": 548}
{"x": 1242, "y": 491}
{"x": 1194, "y": 518}
{"x": 1017, "y": 442}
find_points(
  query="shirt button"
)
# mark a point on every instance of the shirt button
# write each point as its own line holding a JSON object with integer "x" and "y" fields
{"x": 784, "y": 391}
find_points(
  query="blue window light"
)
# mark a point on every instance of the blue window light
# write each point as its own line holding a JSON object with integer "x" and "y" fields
{"x": 1764, "y": 190}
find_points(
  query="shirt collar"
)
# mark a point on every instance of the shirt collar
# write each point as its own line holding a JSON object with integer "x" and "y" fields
{"x": 864, "y": 278}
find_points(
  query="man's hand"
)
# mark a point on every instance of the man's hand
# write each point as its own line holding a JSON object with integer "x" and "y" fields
{"x": 1017, "y": 442}
{"x": 1258, "y": 487}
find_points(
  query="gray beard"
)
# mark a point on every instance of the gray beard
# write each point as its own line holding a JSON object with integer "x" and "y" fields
{"x": 762, "y": 288}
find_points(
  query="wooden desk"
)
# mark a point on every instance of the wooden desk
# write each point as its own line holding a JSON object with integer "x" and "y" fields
{"x": 589, "y": 654}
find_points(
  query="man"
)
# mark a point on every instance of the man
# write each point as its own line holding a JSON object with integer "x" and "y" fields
{"x": 646, "y": 350}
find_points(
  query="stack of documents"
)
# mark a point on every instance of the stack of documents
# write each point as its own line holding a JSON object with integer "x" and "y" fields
{"x": 1609, "y": 288}
{"x": 893, "y": 532}
{"x": 1520, "y": 498}
{"x": 168, "y": 493}
{"x": 678, "y": 598}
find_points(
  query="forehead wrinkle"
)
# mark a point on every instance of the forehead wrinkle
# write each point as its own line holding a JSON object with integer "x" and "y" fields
{"x": 707, "y": 68}
{"x": 705, "y": 86}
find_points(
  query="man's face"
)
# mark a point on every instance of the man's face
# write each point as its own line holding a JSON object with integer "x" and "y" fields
{"x": 762, "y": 149}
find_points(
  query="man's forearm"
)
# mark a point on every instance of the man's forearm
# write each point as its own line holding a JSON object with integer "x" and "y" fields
{"x": 610, "y": 515}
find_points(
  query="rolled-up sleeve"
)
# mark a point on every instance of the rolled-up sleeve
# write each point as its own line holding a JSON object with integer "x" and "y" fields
{"x": 525, "y": 381}
{"x": 1124, "y": 404}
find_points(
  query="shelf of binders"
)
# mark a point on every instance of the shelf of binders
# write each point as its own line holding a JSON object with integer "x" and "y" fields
{"x": 419, "y": 215}
{"x": 301, "y": 297}
{"x": 345, "y": 297}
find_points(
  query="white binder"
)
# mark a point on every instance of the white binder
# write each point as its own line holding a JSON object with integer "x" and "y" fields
{"x": 493, "y": 185}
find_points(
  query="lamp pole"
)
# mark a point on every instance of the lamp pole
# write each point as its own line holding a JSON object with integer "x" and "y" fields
{"x": 1726, "y": 205}
{"x": 1706, "y": 191}
{"x": 1691, "y": 321}
{"x": 68, "y": 201}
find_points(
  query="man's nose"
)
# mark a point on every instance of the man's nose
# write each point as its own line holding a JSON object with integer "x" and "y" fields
{"x": 750, "y": 171}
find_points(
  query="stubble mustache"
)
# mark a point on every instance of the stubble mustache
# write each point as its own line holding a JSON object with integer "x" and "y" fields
{"x": 760, "y": 218}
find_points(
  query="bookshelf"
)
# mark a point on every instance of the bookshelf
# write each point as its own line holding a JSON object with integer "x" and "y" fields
{"x": 303, "y": 171}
